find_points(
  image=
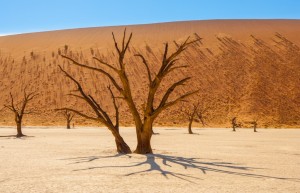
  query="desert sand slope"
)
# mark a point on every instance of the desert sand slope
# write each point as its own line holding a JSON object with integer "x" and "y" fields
{"x": 244, "y": 68}
{"x": 216, "y": 160}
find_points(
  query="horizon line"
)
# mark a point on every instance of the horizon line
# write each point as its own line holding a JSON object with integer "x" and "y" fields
{"x": 136, "y": 24}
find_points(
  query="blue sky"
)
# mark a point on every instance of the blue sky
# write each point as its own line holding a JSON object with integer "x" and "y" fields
{"x": 21, "y": 16}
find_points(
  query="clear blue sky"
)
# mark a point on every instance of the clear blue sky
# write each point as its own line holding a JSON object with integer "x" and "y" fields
{"x": 20, "y": 16}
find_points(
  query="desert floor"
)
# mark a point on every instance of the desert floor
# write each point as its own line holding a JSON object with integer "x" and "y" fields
{"x": 213, "y": 160}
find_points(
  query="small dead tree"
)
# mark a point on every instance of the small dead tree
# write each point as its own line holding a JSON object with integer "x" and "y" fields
{"x": 19, "y": 109}
{"x": 196, "y": 112}
{"x": 235, "y": 124}
{"x": 144, "y": 121}
{"x": 68, "y": 115}
{"x": 254, "y": 123}
{"x": 101, "y": 115}
{"x": 190, "y": 113}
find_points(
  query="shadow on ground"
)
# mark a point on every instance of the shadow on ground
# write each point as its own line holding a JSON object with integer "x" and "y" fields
{"x": 15, "y": 136}
{"x": 155, "y": 161}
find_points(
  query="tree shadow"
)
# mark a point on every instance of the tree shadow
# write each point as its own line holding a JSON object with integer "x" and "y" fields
{"x": 152, "y": 160}
{"x": 15, "y": 136}
{"x": 192, "y": 133}
{"x": 7, "y": 136}
{"x": 93, "y": 158}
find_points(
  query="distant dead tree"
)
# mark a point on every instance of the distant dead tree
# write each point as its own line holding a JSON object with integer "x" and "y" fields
{"x": 235, "y": 124}
{"x": 144, "y": 120}
{"x": 254, "y": 123}
{"x": 196, "y": 112}
{"x": 190, "y": 114}
{"x": 100, "y": 114}
{"x": 19, "y": 109}
{"x": 68, "y": 115}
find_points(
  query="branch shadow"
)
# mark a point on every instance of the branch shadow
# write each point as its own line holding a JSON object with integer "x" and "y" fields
{"x": 8, "y": 136}
{"x": 152, "y": 160}
{"x": 15, "y": 136}
{"x": 93, "y": 158}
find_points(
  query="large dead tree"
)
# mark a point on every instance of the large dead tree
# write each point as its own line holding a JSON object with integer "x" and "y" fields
{"x": 68, "y": 115}
{"x": 144, "y": 120}
{"x": 100, "y": 114}
{"x": 19, "y": 109}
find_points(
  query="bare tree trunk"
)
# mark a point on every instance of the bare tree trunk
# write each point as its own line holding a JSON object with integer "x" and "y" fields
{"x": 254, "y": 127}
{"x": 121, "y": 145}
{"x": 19, "y": 129}
{"x": 68, "y": 124}
{"x": 190, "y": 126}
{"x": 234, "y": 124}
{"x": 144, "y": 138}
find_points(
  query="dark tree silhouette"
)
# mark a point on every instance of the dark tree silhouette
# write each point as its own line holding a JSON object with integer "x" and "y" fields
{"x": 100, "y": 114}
{"x": 235, "y": 124}
{"x": 254, "y": 123}
{"x": 68, "y": 115}
{"x": 144, "y": 121}
{"x": 190, "y": 114}
{"x": 198, "y": 112}
{"x": 19, "y": 109}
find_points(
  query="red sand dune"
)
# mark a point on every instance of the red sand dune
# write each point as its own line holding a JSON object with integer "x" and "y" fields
{"x": 244, "y": 68}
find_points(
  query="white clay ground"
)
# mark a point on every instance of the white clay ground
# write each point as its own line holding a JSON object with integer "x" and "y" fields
{"x": 213, "y": 160}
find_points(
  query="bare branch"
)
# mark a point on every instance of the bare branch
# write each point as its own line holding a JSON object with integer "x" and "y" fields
{"x": 127, "y": 44}
{"x": 84, "y": 96}
{"x": 116, "y": 44}
{"x": 146, "y": 65}
{"x": 106, "y": 64}
{"x": 95, "y": 69}
{"x": 78, "y": 113}
{"x": 123, "y": 42}
{"x": 9, "y": 107}
{"x": 103, "y": 113}
{"x": 12, "y": 102}
{"x": 169, "y": 104}
{"x": 170, "y": 90}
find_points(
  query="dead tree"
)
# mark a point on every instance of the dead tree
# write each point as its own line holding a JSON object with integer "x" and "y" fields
{"x": 68, "y": 115}
{"x": 190, "y": 113}
{"x": 197, "y": 112}
{"x": 144, "y": 121}
{"x": 254, "y": 123}
{"x": 19, "y": 109}
{"x": 100, "y": 114}
{"x": 235, "y": 124}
